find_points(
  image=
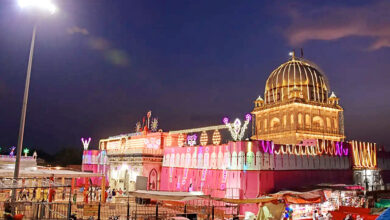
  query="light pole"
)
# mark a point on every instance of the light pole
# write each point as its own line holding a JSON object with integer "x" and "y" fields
{"x": 48, "y": 6}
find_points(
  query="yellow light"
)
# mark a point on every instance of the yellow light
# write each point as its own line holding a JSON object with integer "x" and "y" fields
{"x": 364, "y": 154}
{"x": 216, "y": 137}
{"x": 180, "y": 140}
{"x": 169, "y": 141}
{"x": 204, "y": 138}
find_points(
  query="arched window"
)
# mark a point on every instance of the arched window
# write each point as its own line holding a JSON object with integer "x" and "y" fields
{"x": 265, "y": 124}
{"x": 318, "y": 122}
{"x": 292, "y": 120}
{"x": 328, "y": 124}
{"x": 307, "y": 120}
{"x": 275, "y": 123}
{"x": 300, "y": 119}
{"x": 258, "y": 125}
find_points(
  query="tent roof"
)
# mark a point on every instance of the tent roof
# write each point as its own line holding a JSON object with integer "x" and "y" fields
{"x": 165, "y": 195}
{"x": 46, "y": 173}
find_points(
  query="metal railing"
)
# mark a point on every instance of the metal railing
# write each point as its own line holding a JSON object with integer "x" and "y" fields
{"x": 195, "y": 209}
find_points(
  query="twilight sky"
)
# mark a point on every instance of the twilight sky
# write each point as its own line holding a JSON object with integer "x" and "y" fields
{"x": 100, "y": 65}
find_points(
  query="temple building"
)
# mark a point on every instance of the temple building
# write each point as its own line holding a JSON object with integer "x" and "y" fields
{"x": 297, "y": 141}
{"x": 297, "y": 106}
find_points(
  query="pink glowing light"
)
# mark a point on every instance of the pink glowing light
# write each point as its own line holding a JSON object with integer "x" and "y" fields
{"x": 225, "y": 120}
{"x": 248, "y": 117}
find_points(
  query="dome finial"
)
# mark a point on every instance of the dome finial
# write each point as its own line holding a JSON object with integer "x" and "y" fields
{"x": 292, "y": 54}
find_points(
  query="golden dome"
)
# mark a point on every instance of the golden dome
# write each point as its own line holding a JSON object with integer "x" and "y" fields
{"x": 296, "y": 75}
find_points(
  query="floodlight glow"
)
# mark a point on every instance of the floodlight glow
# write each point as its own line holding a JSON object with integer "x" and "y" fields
{"x": 41, "y": 4}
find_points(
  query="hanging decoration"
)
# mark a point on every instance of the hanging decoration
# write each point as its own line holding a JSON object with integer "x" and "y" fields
{"x": 330, "y": 148}
{"x": 216, "y": 137}
{"x": 236, "y": 130}
{"x": 364, "y": 154}
{"x": 191, "y": 140}
{"x": 180, "y": 140}
{"x": 26, "y": 151}
{"x": 86, "y": 142}
{"x": 204, "y": 138}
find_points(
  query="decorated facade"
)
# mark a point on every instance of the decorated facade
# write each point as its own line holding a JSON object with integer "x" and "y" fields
{"x": 297, "y": 140}
{"x": 297, "y": 106}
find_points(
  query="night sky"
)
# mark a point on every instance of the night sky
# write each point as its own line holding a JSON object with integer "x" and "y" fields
{"x": 100, "y": 65}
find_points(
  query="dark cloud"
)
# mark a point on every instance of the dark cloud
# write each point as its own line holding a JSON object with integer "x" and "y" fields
{"x": 332, "y": 23}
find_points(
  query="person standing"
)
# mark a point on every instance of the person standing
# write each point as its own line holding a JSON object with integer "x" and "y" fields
{"x": 315, "y": 215}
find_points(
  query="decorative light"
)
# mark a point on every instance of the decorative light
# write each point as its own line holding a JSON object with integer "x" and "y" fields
{"x": 153, "y": 143}
{"x": 364, "y": 154}
{"x": 86, "y": 142}
{"x": 169, "y": 140}
{"x": 12, "y": 149}
{"x": 191, "y": 140}
{"x": 204, "y": 138}
{"x": 26, "y": 151}
{"x": 236, "y": 131}
{"x": 180, "y": 140}
{"x": 216, "y": 137}
{"x": 154, "y": 124}
{"x": 269, "y": 148}
{"x": 138, "y": 127}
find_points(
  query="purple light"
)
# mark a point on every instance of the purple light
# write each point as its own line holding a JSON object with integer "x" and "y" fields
{"x": 268, "y": 148}
{"x": 225, "y": 120}
{"x": 248, "y": 117}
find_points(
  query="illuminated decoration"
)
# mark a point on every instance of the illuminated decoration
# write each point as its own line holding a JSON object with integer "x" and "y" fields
{"x": 138, "y": 127}
{"x": 191, "y": 140}
{"x": 297, "y": 106}
{"x": 364, "y": 155}
{"x": 148, "y": 115}
{"x": 269, "y": 148}
{"x": 216, "y": 137}
{"x": 180, "y": 140}
{"x": 148, "y": 123}
{"x": 153, "y": 143}
{"x": 203, "y": 138}
{"x": 237, "y": 132}
{"x": 335, "y": 148}
{"x": 86, "y": 143}
{"x": 26, "y": 151}
{"x": 154, "y": 124}
{"x": 12, "y": 149}
{"x": 196, "y": 130}
{"x": 169, "y": 140}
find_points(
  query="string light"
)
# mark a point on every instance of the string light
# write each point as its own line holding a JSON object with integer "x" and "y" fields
{"x": 216, "y": 137}
{"x": 169, "y": 140}
{"x": 237, "y": 131}
{"x": 180, "y": 140}
{"x": 364, "y": 154}
{"x": 204, "y": 138}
